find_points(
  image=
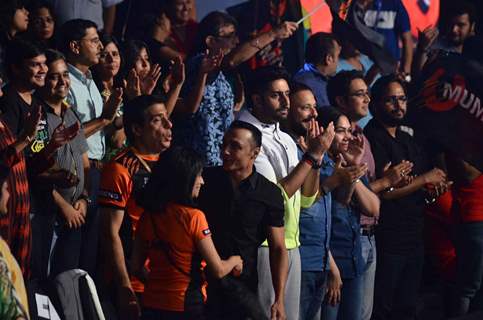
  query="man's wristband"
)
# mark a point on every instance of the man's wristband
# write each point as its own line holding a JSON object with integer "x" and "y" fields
{"x": 307, "y": 157}
{"x": 86, "y": 198}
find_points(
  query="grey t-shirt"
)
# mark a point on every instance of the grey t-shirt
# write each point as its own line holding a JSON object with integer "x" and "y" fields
{"x": 69, "y": 156}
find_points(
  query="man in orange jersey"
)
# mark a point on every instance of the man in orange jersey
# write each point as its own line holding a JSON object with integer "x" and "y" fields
{"x": 148, "y": 132}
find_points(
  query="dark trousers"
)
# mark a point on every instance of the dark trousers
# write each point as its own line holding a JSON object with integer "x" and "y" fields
{"x": 469, "y": 273}
{"x": 312, "y": 292}
{"x": 398, "y": 280}
{"x": 91, "y": 229}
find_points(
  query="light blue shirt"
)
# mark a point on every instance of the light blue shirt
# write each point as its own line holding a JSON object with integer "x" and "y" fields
{"x": 87, "y": 102}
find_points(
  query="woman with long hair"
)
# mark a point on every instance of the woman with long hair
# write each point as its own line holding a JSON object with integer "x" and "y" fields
{"x": 41, "y": 27}
{"x": 175, "y": 237}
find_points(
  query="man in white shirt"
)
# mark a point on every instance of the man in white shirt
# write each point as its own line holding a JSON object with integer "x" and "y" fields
{"x": 278, "y": 162}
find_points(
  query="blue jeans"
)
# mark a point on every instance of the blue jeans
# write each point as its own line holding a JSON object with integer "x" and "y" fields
{"x": 312, "y": 292}
{"x": 368, "y": 244}
{"x": 469, "y": 274}
{"x": 398, "y": 279}
{"x": 350, "y": 304}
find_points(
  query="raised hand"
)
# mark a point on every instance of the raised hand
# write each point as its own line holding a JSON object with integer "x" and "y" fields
{"x": 31, "y": 123}
{"x": 354, "y": 154}
{"x": 133, "y": 84}
{"x": 398, "y": 174}
{"x": 349, "y": 174}
{"x": 62, "y": 135}
{"x": 149, "y": 82}
{"x": 427, "y": 37}
{"x": 177, "y": 72}
{"x": 285, "y": 30}
{"x": 211, "y": 61}
{"x": 319, "y": 140}
{"x": 112, "y": 104}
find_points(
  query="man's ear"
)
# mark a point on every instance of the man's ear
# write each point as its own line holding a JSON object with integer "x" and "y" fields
{"x": 328, "y": 59}
{"x": 74, "y": 47}
{"x": 256, "y": 99}
{"x": 340, "y": 101}
{"x": 473, "y": 28}
{"x": 255, "y": 152}
{"x": 136, "y": 130}
{"x": 210, "y": 42}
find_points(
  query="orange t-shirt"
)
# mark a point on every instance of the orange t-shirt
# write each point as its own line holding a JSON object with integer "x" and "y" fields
{"x": 470, "y": 200}
{"x": 121, "y": 179}
{"x": 179, "y": 228}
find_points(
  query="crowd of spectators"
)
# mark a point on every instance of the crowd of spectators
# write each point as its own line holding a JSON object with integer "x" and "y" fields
{"x": 236, "y": 167}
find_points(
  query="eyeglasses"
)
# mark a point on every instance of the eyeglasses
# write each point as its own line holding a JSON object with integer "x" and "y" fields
{"x": 360, "y": 94}
{"x": 395, "y": 99}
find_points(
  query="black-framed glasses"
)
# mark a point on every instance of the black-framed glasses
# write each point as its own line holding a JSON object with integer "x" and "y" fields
{"x": 395, "y": 99}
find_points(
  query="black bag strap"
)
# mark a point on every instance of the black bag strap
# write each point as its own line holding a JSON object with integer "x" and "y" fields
{"x": 164, "y": 246}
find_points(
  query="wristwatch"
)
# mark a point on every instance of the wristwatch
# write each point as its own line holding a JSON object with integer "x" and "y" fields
{"x": 86, "y": 198}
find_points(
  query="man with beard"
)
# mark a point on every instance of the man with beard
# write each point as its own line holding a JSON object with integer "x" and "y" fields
{"x": 399, "y": 234}
{"x": 299, "y": 180}
{"x": 459, "y": 25}
{"x": 349, "y": 93}
{"x": 315, "y": 222}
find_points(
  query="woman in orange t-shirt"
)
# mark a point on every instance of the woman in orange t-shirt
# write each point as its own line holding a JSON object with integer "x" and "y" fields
{"x": 175, "y": 236}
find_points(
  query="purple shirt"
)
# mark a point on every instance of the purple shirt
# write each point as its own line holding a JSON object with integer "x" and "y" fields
{"x": 371, "y": 172}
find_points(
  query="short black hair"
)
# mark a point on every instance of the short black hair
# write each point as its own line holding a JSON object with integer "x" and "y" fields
{"x": 379, "y": 89}
{"x": 53, "y": 55}
{"x": 338, "y": 85}
{"x": 210, "y": 25}
{"x": 172, "y": 179}
{"x": 20, "y": 50}
{"x": 459, "y": 8}
{"x": 262, "y": 77}
{"x": 134, "y": 112}
{"x": 256, "y": 134}
{"x": 319, "y": 46}
{"x": 73, "y": 30}
{"x": 327, "y": 115}
{"x": 298, "y": 86}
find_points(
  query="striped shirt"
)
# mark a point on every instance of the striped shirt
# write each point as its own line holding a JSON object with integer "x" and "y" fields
{"x": 15, "y": 226}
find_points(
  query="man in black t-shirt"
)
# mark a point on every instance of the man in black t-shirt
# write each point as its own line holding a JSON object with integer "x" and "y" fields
{"x": 399, "y": 233}
{"x": 243, "y": 209}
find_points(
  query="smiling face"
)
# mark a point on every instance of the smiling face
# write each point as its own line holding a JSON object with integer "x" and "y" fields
{"x": 303, "y": 108}
{"x": 32, "y": 72}
{"x": 356, "y": 103}
{"x": 343, "y": 134}
{"x": 57, "y": 81}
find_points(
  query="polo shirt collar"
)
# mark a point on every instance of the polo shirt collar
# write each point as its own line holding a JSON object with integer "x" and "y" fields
{"x": 263, "y": 127}
{"x": 251, "y": 179}
{"x": 79, "y": 75}
{"x": 312, "y": 68}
